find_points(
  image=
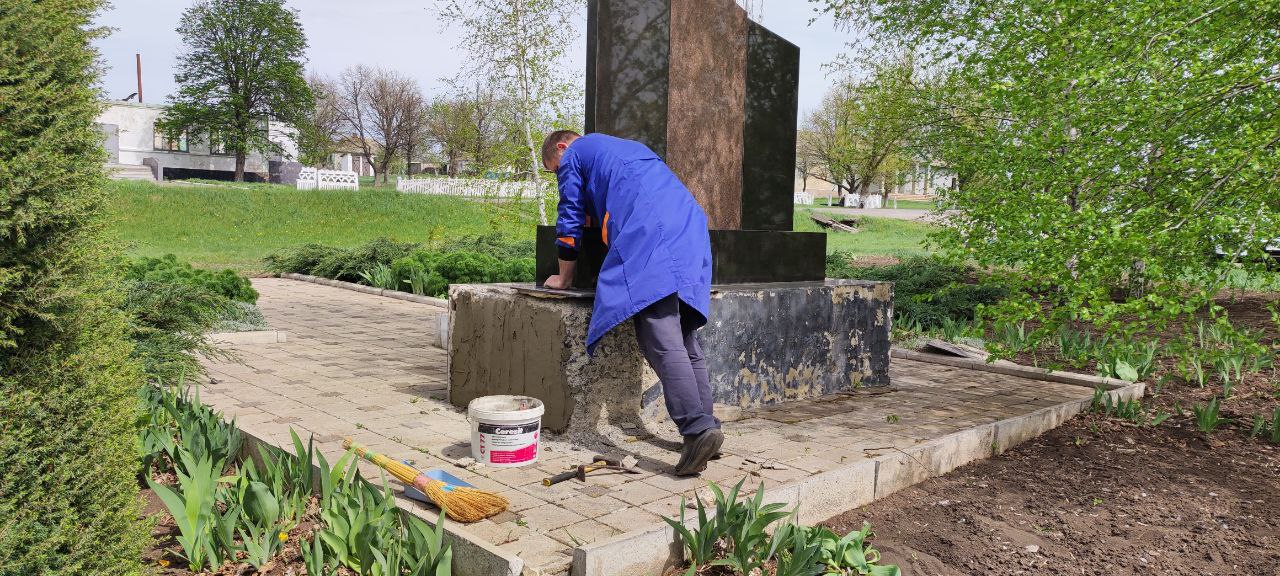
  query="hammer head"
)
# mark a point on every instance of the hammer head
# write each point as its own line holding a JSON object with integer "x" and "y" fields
{"x": 609, "y": 459}
{"x": 626, "y": 463}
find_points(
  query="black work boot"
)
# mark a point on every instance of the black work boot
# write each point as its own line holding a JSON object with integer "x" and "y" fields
{"x": 695, "y": 453}
{"x": 685, "y": 450}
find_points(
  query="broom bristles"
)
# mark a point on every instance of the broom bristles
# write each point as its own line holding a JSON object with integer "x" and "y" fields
{"x": 461, "y": 504}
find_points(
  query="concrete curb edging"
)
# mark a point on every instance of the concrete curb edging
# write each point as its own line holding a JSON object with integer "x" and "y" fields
{"x": 472, "y": 556}
{"x": 249, "y": 338}
{"x": 1010, "y": 369}
{"x": 398, "y": 295}
{"x": 654, "y": 549}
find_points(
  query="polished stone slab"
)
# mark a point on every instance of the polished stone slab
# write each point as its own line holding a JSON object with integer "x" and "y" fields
{"x": 628, "y": 66}
{"x": 710, "y": 91}
{"x": 769, "y": 134}
{"x": 705, "y": 112}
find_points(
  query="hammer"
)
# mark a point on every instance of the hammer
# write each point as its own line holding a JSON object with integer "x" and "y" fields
{"x": 600, "y": 463}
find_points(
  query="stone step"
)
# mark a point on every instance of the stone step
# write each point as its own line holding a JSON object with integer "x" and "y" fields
{"x": 130, "y": 172}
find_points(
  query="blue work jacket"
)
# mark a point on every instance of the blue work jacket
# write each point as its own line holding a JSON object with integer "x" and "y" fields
{"x": 655, "y": 230}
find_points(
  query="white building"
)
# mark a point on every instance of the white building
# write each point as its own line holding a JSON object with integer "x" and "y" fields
{"x": 923, "y": 179}
{"x": 348, "y": 155}
{"x": 132, "y": 142}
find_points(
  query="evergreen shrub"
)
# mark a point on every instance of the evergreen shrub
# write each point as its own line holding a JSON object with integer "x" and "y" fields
{"x": 68, "y": 464}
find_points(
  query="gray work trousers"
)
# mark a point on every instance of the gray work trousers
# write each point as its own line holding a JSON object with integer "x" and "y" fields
{"x": 671, "y": 347}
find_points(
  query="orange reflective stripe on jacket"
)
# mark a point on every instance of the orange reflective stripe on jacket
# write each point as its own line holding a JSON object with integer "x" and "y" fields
{"x": 604, "y": 229}
{"x": 568, "y": 240}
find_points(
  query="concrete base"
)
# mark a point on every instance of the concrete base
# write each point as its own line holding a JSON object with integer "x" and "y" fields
{"x": 766, "y": 343}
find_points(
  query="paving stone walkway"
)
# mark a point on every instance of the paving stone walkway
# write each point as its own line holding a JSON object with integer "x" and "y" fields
{"x": 362, "y": 365}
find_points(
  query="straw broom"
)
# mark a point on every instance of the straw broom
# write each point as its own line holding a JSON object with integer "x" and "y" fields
{"x": 459, "y": 503}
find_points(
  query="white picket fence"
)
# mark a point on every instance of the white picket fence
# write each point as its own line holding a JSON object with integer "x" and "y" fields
{"x": 312, "y": 179}
{"x": 468, "y": 187}
{"x": 804, "y": 198}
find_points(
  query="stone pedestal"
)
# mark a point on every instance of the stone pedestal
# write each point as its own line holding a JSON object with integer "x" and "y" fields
{"x": 766, "y": 343}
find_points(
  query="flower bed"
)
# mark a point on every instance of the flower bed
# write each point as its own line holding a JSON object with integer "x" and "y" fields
{"x": 274, "y": 512}
{"x": 746, "y": 536}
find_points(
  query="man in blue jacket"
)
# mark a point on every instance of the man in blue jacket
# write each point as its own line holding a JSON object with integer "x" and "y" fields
{"x": 657, "y": 269}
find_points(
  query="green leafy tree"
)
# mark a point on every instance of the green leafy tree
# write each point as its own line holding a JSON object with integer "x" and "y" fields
{"x": 451, "y": 130}
{"x": 243, "y": 66}
{"x": 466, "y": 127}
{"x": 864, "y": 128}
{"x": 68, "y": 465}
{"x": 519, "y": 45}
{"x": 1117, "y": 159}
{"x": 320, "y": 127}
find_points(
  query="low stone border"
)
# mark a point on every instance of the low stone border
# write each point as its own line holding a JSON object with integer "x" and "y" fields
{"x": 398, "y": 295}
{"x": 1010, "y": 369}
{"x": 654, "y": 549}
{"x": 472, "y": 555}
{"x": 250, "y": 337}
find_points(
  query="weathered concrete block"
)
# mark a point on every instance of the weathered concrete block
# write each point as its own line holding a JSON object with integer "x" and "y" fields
{"x": 765, "y": 344}
{"x": 651, "y": 550}
{"x": 955, "y": 450}
{"x": 899, "y": 470}
{"x": 1014, "y": 431}
{"x": 829, "y": 493}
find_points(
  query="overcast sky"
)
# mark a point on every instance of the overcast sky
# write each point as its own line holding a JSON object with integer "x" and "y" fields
{"x": 403, "y": 35}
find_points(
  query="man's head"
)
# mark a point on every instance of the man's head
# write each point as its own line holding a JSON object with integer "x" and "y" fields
{"x": 553, "y": 147}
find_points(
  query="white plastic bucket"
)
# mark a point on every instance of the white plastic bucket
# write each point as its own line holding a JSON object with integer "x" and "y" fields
{"x": 505, "y": 430}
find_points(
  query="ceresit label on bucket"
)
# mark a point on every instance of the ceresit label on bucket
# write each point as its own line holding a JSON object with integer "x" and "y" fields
{"x": 508, "y": 443}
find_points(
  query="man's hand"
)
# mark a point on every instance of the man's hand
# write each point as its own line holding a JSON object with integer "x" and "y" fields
{"x": 564, "y": 279}
{"x": 557, "y": 282}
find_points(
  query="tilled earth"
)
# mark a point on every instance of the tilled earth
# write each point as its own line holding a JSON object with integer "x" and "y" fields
{"x": 1094, "y": 496}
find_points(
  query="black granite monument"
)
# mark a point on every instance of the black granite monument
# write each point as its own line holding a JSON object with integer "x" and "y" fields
{"x": 714, "y": 94}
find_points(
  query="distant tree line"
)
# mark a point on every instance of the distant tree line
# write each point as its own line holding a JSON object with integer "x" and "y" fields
{"x": 868, "y": 133}
{"x": 244, "y": 64}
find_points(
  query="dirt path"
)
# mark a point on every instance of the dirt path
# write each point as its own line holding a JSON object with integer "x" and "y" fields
{"x": 1092, "y": 497}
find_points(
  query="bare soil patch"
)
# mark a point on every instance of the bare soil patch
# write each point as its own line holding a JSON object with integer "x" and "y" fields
{"x": 1094, "y": 496}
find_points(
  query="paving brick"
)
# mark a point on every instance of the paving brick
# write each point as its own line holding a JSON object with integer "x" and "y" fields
{"x": 639, "y": 493}
{"x": 629, "y": 519}
{"x": 548, "y": 517}
{"x": 668, "y": 506}
{"x": 537, "y": 549}
{"x": 584, "y": 532}
{"x": 594, "y": 507}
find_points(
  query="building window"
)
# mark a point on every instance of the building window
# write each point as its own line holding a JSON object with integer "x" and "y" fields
{"x": 163, "y": 143}
{"x": 217, "y": 145}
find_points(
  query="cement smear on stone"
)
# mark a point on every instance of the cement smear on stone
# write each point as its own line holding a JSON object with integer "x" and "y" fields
{"x": 593, "y": 401}
{"x": 768, "y": 343}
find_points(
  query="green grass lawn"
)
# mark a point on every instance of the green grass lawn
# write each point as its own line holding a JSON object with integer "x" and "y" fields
{"x": 876, "y": 236}
{"x": 236, "y": 225}
{"x": 217, "y": 225}
{"x": 912, "y": 205}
